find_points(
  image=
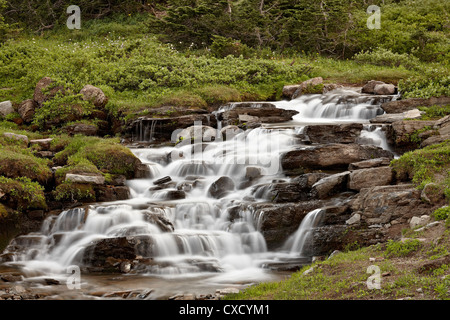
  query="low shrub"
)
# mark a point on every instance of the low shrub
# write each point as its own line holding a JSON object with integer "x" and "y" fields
{"x": 74, "y": 192}
{"x": 401, "y": 249}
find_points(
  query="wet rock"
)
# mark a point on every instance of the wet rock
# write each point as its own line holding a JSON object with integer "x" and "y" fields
{"x": 340, "y": 133}
{"x": 366, "y": 178}
{"x": 174, "y": 195}
{"x": 95, "y": 95}
{"x": 107, "y": 254}
{"x": 229, "y": 132}
{"x": 252, "y": 173}
{"x": 258, "y": 111}
{"x": 277, "y": 221}
{"x": 330, "y": 185}
{"x": 330, "y": 156}
{"x": 221, "y": 187}
{"x": 112, "y": 193}
{"x": 84, "y": 178}
{"x": 27, "y": 109}
{"x": 197, "y": 133}
{"x": 162, "y": 180}
{"x": 8, "y": 277}
{"x": 400, "y": 106}
{"x": 142, "y": 171}
{"x": 371, "y": 163}
{"x": 6, "y": 108}
{"x": 159, "y": 220}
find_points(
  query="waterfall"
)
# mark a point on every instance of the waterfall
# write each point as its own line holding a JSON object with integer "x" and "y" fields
{"x": 336, "y": 106}
{"x": 181, "y": 227}
{"x": 296, "y": 243}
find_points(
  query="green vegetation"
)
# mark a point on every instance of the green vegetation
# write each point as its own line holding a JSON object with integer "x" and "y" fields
{"x": 401, "y": 249}
{"x": 434, "y": 112}
{"x": 22, "y": 194}
{"x": 345, "y": 275}
{"x": 441, "y": 213}
{"x": 74, "y": 192}
{"x": 422, "y": 166}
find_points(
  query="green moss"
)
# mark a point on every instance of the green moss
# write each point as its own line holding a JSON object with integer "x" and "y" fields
{"x": 16, "y": 162}
{"x": 22, "y": 193}
{"x": 107, "y": 155}
{"x": 76, "y": 167}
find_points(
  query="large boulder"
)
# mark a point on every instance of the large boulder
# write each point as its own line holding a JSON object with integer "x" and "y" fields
{"x": 336, "y": 133}
{"x": 221, "y": 187}
{"x": 331, "y": 185}
{"x": 330, "y": 156}
{"x": 95, "y": 95}
{"x": 305, "y": 84}
{"x": 394, "y": 205}
{"x": 399, "y": 106}
{"x": 400, "y": 132}
{"x": 27, "y": 109}
{"x": 6, "y": 108}
{"x": 44, "y": 91}
{"x": 256, "y": 112}
{"x": 369, "y": 87}
{"x": 384, "y": 89}
{"x": 366, "y": 178}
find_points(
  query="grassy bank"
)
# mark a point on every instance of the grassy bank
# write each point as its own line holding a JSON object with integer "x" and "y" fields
{"x": 416, "y": 268}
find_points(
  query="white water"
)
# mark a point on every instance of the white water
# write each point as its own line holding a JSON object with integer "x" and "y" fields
{"x": 205, "y": 240}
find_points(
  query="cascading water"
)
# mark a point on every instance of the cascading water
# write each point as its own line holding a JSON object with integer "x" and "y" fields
{"x": 181, "y": 226}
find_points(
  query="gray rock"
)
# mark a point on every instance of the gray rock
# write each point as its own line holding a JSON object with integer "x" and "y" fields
{"x": 330, "y": 185}
{"x": 400, "y": 106}
{"x": 356, "y": 218}
{"x": 371, "y": 163}
{"x": 90, "y": 179}
{"x": 305, "y": 84}
{"x": 366, "y": 178}
{"x": 384, "y": 89}
{"x": 15, "y": 136}
{"x": 6, "y": 108}
{"x": 419, "y": 221}
{"x": 43, "y": 143}
{"x": 370, "y": 86}
{"x": 95, "y": 95}
{"x": 339, "y": 133}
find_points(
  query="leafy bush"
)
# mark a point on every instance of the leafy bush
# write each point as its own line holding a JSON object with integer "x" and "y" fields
{"x": 385, "y": 57}
{"x": 61, "y": 109}
{"x": 434, "y": 112}
{"x": 422, "y": 166}
{"x": 401, "y": 249}
{"x": 222, "y": 47}
{"x": 441, "y": 213}
{"x": 432, "y": 83}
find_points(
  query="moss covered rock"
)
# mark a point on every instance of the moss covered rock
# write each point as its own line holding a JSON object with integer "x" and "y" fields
{"x": 22, "y": 194}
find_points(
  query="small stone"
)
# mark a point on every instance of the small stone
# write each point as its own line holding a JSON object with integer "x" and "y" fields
{"x": 80, "y": 178}
{"x": 6, "y": 108}
{"x": 354, "y": 219}
{"x": 15, "y": 136}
